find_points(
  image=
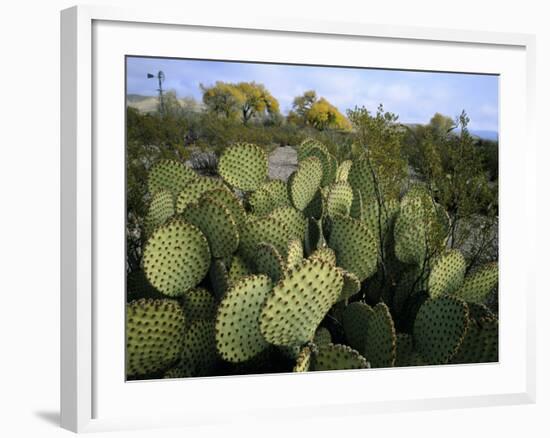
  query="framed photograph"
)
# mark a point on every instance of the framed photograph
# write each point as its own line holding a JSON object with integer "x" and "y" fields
{"x": 256, "y": 208}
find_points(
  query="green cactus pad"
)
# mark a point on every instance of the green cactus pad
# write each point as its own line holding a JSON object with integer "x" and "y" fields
{"x": 269, "y": 262}
{"x": 219, "y": 278}
{"x": 352, "y": 285}
{"x": 261, "y": 202}
{"x": 356, "y": 210}
{"x": 315, "y": 208}
{"x": 361, "y": 179}
{"x": 169, "y": 175}
{"x": 298, "y": 303}
{"x": 193, "y": 191}
{"x": 160, "y": 210}
{"x": 244, "y": 166}
{"x": 199, "y": 345}
{"x": 293, "y": 219}
{"x": 263, "y": 230}
{"x": 477, "y": 286}
{"x": 411, "y": 281}
{"x": 355, "y": 319}
{"x": 343, "y": 170}
{"x": 306, "y": 146}
{"x": 228, "y": 200}
{"x": 199, "y": 303}
{"x": 380, "y": 348}
{"x": 328, "y": 164}
{"x": 154, "y": 334}
{"x": 439, "y": 328}
{"x": 238, "y": 336}
{"x": 216, "y": 223}
{"x": 406, "y": 356}
{"x": 447, "y": 273}
{"x": 410, "y": 234}
{"x": 322, "y": 336}
{"x": 489, "y": 335}
{"x": 337, "y": 357}
{"x": 479, "y": 311}
{"x": 176, "y": 257}
{"x": 472, "y": 347}
{"x": 339, "y": 199}
{"x": 355, "y": 246}
{"x": 278, "y": 192}
{"x": 304, "y": 183}
{"x": 239, "y": 268}
{"x": 295, "y": 254}
{"x": 324, "y": 254}
{"x": 180, "y": 372}
{"x": 303, "y": 361}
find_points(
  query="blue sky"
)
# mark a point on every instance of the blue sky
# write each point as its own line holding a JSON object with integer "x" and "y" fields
{"x": 414, "y": 96}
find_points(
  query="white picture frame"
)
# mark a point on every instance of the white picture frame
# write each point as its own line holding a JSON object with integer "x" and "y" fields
{"x": 91, "y": 393}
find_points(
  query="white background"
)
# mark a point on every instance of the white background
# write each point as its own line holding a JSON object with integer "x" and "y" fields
{"x": 29, "y": 185}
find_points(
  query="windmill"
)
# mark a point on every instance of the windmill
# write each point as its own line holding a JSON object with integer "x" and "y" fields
{"x": 160, "y": 77}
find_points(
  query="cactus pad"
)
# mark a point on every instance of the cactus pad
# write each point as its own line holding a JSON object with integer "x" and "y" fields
{"x": 169, "y": 175}
{"x": 355, "y": 246}
{"x": 263, "y": 230}
{"x": 355, "y": 320}
{"x": 193, "y": 191}
{"x": 298, "y": 303}
{"x": 238, "y": 336}
{"x": 361, "y": 179}
{"x": 339, "y": 199}
{"x": 410, "y": 234}
{"x": 261, "y": 202}
{"x": 216, "y": 223}
{"x": 291, "y": 218}
{"x": 303, "y": 183}
{"x": 154, "y": 333}
{"x": 380, "y": 349}
{"x": 322, "y": 336}
{"x": 160, "y": 210}
{"x": 352, "y": 285}
{"x": 239, "y": 268}
{"x": 244, "y": 166}
{"x": 303, "y": 361}
{"x": 337, "y": 357}
{"x": 477, "y": 285}
{"x": 295, "y": 254}
{"x": 406, "y": 356}
{"x": 324, "y": 254}
{"x": 278, "y": 193}
{"x": 176, "y": 257}
{"x": 447, "y": 273}
{"x": 199, "y": 345}
{"x": 269, "y": 262}
{"x": 343, "y": 170}
{"x": 439, "y": 328}
{"x": 228, "y": 200}
{"x": 198, "y": 303}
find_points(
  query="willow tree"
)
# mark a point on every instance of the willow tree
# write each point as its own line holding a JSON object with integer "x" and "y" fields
{"x": 244, "y": 99}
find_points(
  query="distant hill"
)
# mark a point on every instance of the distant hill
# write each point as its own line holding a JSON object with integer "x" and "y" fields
{"x": 485, "y": 134}
{"x": 149, "y": 104}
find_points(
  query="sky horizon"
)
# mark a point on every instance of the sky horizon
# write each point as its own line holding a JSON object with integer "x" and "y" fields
{"x": 414, "y": 96}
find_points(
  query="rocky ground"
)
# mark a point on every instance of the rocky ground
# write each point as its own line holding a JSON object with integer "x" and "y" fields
{"x": 282, "y": 162}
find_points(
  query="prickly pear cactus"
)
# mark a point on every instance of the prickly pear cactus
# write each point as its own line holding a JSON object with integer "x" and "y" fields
{"x": 154, "y": 335}
{"x": 176, "y": 257}
{"x": 298, "y": 303}
{"x": 326, "y": 271}
{"x": 244, "y": 166}
{"x": 238, "y": 336}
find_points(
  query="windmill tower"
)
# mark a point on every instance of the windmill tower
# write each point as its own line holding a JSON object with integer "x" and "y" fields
{"x": 160, "y": 77}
